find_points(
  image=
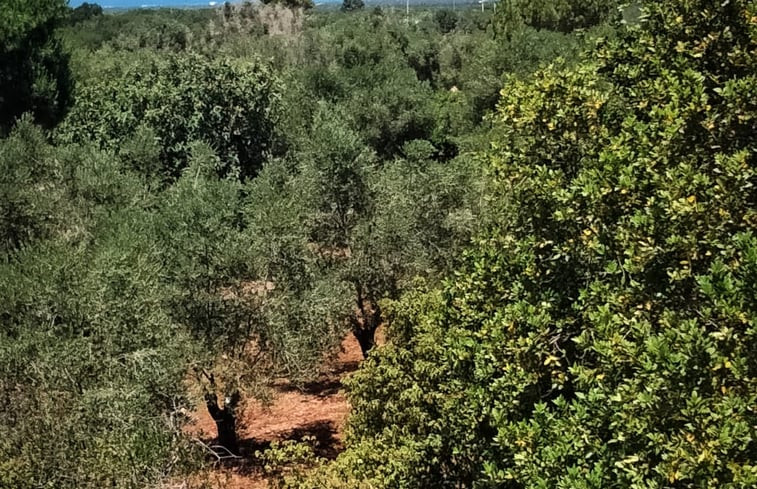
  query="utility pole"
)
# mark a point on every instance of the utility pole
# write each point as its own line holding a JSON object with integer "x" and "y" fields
{"x": 407, "y": 10}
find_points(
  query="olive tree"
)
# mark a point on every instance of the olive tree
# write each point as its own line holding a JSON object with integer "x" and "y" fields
{"x": 256, "y": 312}
{"x": 373, "y": 226}
{"x": 91, "y": 364}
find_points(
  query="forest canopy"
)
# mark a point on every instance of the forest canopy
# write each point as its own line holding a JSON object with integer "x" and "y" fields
{"x": 537, "y": 223}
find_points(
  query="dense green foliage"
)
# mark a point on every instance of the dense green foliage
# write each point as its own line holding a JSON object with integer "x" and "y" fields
{"x": 142, "y": 277}
{"x": 601, "y": 332}
{"x": 562, "y": 15}
{"x": 175, "y": 29}
{"x": 90, "y": 363}
{"x": 230, "y": 105}
{"x": 34, "y": 72}
{"x": 550, "y": 208}
{"x": 85, "y": 11}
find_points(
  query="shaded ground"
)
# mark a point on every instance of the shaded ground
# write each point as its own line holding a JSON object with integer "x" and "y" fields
{"x": 318, "y": 411}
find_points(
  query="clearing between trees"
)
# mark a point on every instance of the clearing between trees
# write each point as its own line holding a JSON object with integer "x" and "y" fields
{"x": 318, "y": 411}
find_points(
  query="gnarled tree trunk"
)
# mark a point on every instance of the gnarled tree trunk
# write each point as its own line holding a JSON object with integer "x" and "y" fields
{"x": 225, "y": 419}
{"x": 365, "y": 321}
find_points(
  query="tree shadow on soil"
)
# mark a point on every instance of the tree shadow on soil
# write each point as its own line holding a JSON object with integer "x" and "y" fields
{"x": 321, "y": 435}
{"x": 326, "y": 385}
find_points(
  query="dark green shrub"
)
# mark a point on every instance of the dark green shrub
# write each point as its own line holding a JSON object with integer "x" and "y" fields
{"x": 232, "y": 106}
{"x": 562, "y": 15}
{"x": 34, "y": 71}
{"x": 350, "y": 5}
{"x": 446, "y": 20}
{"x": 85, "y": 11}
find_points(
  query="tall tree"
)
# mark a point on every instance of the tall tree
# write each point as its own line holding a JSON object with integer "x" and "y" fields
{"x": 85, "y": 11}
{"x": 251, "y": 306}
{"x": 334, "y": 171}
{"x": 371, "y": 226}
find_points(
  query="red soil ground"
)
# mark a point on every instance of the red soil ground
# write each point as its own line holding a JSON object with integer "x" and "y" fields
{"x": 319, "y": 411}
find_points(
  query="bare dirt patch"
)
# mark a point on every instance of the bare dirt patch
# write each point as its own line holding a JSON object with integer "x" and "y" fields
{"x": 317, "y": 410}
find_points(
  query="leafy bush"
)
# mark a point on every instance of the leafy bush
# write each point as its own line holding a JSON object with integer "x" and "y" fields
{"x": 27, "y": 199}
{"x": 232, "y": 106}
{"x": 446, "y": 20}
{"x": 85, "y": 11}
{"x": 91, "y": 366}
{"x": 89, "y": 30}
